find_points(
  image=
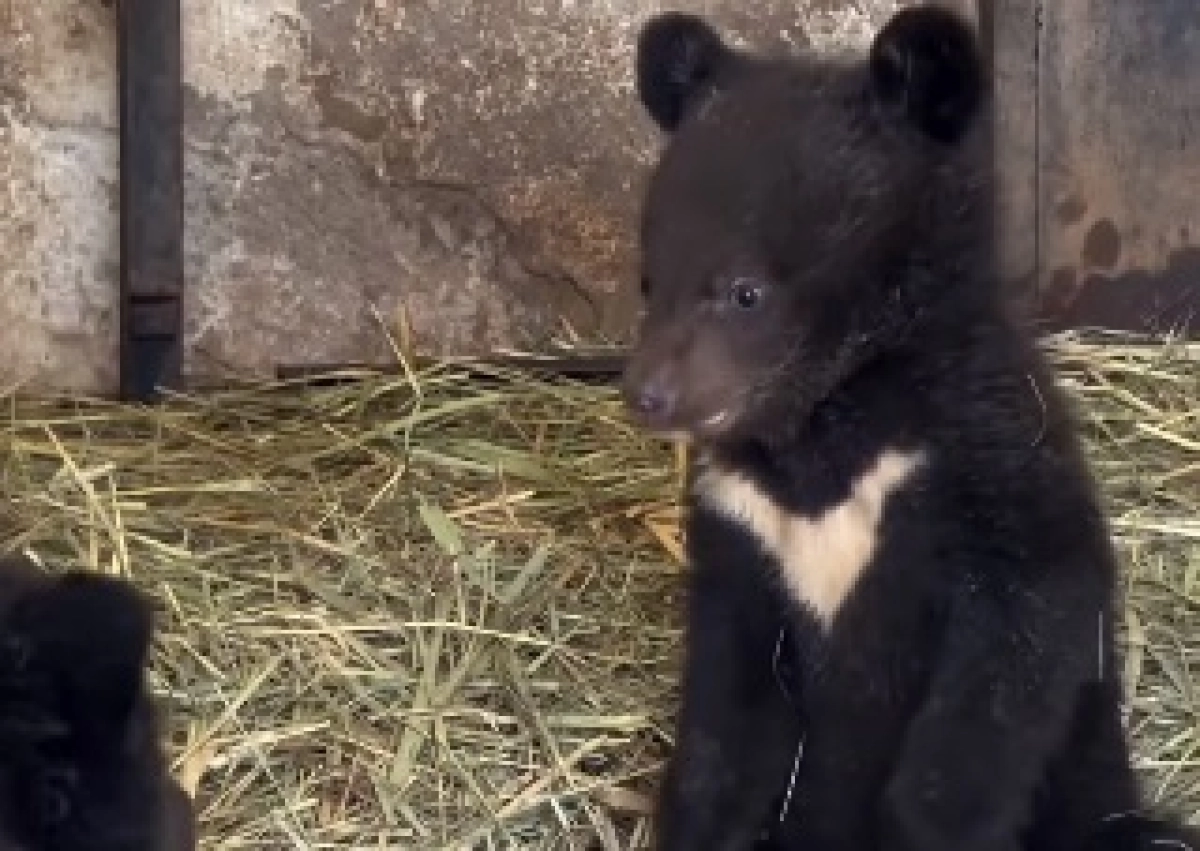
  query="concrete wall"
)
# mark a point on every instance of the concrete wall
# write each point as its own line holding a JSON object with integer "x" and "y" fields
{"x": 477, "y": 162}
{"x": 480, "y": 162}
{"x": 58, "y": 201}
{"x": 1119, "y": 163}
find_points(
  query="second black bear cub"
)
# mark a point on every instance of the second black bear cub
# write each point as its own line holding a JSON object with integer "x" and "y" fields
{"x": 901, "y": 601}
{"x": 80, "y": 762}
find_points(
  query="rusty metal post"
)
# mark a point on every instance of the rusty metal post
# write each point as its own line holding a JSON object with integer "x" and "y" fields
{"x": 151, "y": 197}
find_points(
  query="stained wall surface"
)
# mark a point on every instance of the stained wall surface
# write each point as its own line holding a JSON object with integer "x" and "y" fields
{"x": 1119, "y": 163}
{"x": 476, "y": 163}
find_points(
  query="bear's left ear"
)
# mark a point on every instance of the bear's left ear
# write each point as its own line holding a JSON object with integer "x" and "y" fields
{"x": 678, "y": 57}
{"x": 926, "y": 64}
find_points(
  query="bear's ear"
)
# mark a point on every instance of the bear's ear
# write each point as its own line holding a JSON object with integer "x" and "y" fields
{"x": 678, "y": 57}
{"x": 90, "y": 635}
{"x": 926, "y": 66}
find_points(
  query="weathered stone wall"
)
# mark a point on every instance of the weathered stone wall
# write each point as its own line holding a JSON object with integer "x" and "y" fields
{"x": 477, "y": 161}
{"x": 58, "y": 204}
{"x": 1119, "y": 163}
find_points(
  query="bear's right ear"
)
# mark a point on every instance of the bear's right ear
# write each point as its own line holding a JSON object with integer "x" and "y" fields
{"x": 926, "y": 66}
{"x": 678, "y": 56}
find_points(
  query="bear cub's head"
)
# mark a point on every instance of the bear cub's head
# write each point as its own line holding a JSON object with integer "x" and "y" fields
{"x": 82, "y": 768}
{"x": 807, "y": 214}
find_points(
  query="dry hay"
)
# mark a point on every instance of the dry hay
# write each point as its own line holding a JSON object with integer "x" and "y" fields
{"x": 421, "y": 612}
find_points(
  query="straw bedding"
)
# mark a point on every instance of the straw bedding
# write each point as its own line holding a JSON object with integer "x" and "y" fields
{"x": 424, "y": 611}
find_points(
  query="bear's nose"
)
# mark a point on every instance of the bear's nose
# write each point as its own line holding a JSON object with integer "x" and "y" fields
{"x": 653, "y": 400}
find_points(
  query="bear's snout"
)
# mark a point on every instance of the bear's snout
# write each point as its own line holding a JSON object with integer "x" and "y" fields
{"x": 651, "y": 396}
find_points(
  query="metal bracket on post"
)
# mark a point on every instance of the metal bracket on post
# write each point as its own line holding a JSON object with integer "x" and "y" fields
{"x": 151, "y": 197}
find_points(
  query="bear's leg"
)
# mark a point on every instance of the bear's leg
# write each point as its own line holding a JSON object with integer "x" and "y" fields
{"x": 999, "y": 706}
{"x": 737, "y": 731}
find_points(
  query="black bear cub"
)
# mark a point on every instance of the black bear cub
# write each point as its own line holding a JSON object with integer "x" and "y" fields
{"x": 80, "y": 762}
{"x": 902, "y": 589}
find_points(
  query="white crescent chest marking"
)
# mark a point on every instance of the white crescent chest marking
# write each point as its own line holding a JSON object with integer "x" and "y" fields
{"x": 821, "y": 558}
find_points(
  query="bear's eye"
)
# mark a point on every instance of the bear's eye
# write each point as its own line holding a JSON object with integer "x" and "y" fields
{"x": 644, "y": 286}
{"x": 745, "y": 293}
